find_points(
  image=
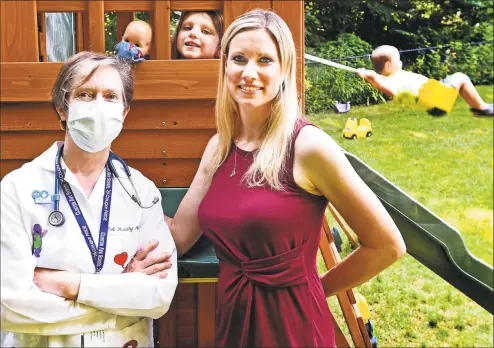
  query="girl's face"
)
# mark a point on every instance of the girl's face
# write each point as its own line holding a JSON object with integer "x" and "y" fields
{"x": 197, "y": 38}
{"x": 253, "y": 68}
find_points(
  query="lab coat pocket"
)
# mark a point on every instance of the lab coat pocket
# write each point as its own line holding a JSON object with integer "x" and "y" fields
{"x": 121, "y": 247}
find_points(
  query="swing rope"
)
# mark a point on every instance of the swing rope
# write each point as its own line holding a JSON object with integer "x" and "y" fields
{"x": 406, "y": 51}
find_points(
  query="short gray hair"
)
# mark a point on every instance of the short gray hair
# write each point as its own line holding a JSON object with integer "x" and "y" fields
{"x": 71, "y": 77}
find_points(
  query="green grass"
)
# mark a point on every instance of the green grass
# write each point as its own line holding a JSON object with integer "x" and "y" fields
{"x": 446, "y": 164}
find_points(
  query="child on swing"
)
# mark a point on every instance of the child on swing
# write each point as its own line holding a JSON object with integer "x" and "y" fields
{"x": 198, "y": 35}
{"x": 390, "y": 79}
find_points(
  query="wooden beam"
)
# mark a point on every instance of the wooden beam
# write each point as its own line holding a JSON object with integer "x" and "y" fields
{"x": 293, "y": 14}
{"x": 187, "y": 315}
{"x": 18, "y": 31}
{"x": 62, "y": 5}
{"x": 146, "y": 144}
{"x": 79, "y": 33}
{"x": 162, "y": 172}
{"x": 206, "y": 309}
{"x": 190, "y": 5}
{"x": 123, "y": 19}
{"x": 143, "y": 115}
{"x": 155, "y": 80}
{"x": 161, "y": 34}
{"x": 232, "y": 8}
{"x": 42, "y": 36}
{"x": 129, "y": 6}
{"x": 96, "y": 15}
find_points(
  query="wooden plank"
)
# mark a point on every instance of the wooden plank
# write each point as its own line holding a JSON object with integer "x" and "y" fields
{"x": 153, "y": 114}
{"x": 344, "y": 226}
{"x": 62, "y": 5}
{"x": 189, "y": 5}
{"x": 166, "y": 327}
{"x": 178, "y": 79}
{"x": 206, "y": 309}
{"x": 79, "y": 33}
{"x": 85, "y": 30}
{"x": 123, "y": 18}
{"x": 129, "y": 6}
{"x": 293, "y": 14}
{"x": 96, "y": 14}
{"x": 232, "y": 9}
{"x": 18, "y": 31}
{"x": 130, "y": 144}
{"x": 161, "y": 48}
{"x": 186, "y": 315}
{"x": 331, "y": 258}
{"x": 42, "y": 37}
{"x": 164, "y": 173}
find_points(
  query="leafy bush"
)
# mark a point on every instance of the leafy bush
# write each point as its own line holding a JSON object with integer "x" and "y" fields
{"x": 476, "y": 61}
{"x": 325, "y": 85}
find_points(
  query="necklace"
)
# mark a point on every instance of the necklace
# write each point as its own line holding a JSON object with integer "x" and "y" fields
{"x": 232, "y": 174}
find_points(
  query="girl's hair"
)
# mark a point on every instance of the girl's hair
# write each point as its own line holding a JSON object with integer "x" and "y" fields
{"x": 71, "y": 76}
{"x": 216, "y": 18}
{"x": 269, "y": 165}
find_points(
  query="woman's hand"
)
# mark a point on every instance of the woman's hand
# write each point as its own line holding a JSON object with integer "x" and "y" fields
{"x": 61, "y": 283}
{"x": 155, "y": 265}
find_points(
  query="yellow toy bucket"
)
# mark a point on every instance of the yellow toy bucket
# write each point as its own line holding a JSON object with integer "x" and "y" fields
{"x": 435, "y": 94}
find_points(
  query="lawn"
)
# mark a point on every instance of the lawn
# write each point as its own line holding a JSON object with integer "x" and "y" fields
{"x": 446, "y": 164}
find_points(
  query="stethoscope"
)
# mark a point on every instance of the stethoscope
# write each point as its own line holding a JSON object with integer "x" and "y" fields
{"x": 57, "y": 218}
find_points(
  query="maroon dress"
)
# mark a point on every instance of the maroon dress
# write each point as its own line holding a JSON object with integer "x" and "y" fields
{"x": 269, "y": 292}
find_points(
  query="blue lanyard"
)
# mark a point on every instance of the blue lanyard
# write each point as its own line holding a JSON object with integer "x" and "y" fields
{"x": 97, "y": 253}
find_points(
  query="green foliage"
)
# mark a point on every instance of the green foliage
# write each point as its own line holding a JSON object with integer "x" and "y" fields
{"x": 110, "y": 32}
{"x": 405, "y": 24}
{"x": 326, "y": 85}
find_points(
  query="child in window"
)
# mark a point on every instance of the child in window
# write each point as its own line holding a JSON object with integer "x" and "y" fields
{"x": 198, "y": 35}
{"x": 390, "y": 79}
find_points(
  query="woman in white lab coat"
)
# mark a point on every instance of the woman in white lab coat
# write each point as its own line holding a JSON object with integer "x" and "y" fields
{"x": 77, "y": 225}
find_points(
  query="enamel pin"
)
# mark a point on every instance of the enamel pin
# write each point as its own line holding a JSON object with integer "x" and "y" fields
{"x": 41, "y": 197}
{"x": 38, "y": 233}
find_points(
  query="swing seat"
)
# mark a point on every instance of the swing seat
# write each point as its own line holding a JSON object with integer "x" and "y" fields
{"x": 435, "y": 95}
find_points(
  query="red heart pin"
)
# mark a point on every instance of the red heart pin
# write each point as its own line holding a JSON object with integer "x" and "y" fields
{"x": 120, "y": 259}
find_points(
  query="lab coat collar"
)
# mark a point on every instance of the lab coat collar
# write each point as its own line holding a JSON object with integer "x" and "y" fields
{"x": 47, "y": 159}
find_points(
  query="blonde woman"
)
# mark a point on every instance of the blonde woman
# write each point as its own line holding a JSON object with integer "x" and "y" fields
{"x": 260, "y": 194}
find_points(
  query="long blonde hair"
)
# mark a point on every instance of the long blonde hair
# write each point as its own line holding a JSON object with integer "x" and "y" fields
{"x": 269, "y": 163}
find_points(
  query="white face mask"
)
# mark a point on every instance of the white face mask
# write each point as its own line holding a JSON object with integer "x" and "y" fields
{"x": 94, "y": 125}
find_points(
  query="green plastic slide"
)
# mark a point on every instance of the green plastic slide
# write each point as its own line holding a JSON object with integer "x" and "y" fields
{"x": 431, "y": 240}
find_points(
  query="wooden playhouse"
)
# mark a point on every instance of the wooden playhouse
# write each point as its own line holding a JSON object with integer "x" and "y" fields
{"x": 169, "y": 125}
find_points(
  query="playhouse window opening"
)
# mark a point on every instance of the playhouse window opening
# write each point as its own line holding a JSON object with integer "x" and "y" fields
{"x": 60, "y": 36}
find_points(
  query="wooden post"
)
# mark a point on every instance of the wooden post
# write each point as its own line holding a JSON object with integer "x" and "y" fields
{"x": 123, "y": 18}
{"x": 206, "y": 309}
{"x": 161, "y": 34}
{"x": 19, "y": 31}
{"x": 293, "y": 14}
{"x": 232, "y": 9}
{"x": 96, "y": 21}
{"x": 42, "y": 36}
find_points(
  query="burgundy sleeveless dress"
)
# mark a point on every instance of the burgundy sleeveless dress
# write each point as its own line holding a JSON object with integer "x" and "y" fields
{"x": 269, "y": 292}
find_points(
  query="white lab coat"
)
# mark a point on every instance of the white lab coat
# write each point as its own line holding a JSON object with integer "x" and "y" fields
{"x": 112, "y": 308}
